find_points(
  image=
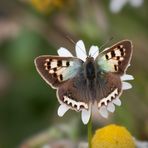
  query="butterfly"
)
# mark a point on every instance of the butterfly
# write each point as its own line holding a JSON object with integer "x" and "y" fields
{"x": 81, "y": 83}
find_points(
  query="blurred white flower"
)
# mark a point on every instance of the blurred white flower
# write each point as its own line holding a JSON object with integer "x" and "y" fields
{"x": 117, "y": 5}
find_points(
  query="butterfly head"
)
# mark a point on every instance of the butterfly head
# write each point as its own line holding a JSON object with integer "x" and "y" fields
{"x": 89, "y": 58}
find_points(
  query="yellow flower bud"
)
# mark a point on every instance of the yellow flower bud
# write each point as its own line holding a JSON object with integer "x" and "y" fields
{"x": 113, "y": 136}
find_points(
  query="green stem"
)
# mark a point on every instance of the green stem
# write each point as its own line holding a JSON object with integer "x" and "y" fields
{"x": 89, "y": 130}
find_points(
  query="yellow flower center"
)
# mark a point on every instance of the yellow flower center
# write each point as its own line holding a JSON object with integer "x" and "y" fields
{"x": 113, "y": 136}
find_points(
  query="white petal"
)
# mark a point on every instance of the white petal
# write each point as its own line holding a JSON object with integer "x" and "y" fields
{"x": 103, "y": 111}
{"x": 127, "y": 77}
{"x": 117, "y": 5}
{"x": 126, "y": 85}
{"x": 94, "y": 51}
{"x": 111, "y": 107}
{"x": 117, "y": 101}
{"x": 80, "y": 50}
{"x": 136, "y": 3}
{"x": 63, "y": 52}
{"x": 63, "y": 108}
{"x": 85, "y": 115}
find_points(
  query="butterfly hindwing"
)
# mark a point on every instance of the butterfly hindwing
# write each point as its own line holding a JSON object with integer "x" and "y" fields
{"x": 56, "y": 70}
{"x": 116, "y": 58}
{"x": 109, "y": 88}
{"x": 75, "y": 93}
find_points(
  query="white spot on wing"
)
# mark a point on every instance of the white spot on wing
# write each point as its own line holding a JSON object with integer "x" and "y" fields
{"x": 46, "y": 68}
{"x": 121, "y": 46}
{"x": 108, "y": 98}
{"x": 74, "y": 103}
{"x": 45, "y": 64}
{"x": 117, "y": 52}
{"x": 64, "y": 63}
{"x": 109, "y": 55}
{"x": 53, "y": 64}
{"x": 60, "y": 70}
{"x": 121, "y": 59}
{"x": 51, "y": 71}
{"x": 47, "y": 60}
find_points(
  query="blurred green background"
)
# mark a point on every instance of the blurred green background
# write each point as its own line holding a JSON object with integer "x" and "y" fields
{"x": 29, "y": 28}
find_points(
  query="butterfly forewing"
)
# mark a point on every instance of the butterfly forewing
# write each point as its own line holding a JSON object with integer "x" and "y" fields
{"x": 116, "y": 58}
{"x": 56, "y": 70}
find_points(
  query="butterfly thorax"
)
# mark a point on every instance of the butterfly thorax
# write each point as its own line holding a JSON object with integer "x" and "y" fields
{"x": 90, "y": 69}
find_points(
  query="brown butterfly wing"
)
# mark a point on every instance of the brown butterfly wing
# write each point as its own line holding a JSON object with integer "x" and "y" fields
{"x": 75, "y": 93}
{"x": 66, "y": 74}
{"x": 116, "y": 58}
{"x": 56, "y": 70}
{"x": 108, "y": 88}
{"x": 111, "y": 64}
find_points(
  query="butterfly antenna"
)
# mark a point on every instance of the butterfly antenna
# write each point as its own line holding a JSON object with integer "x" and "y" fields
{"x": 72, "y": 41}
{"x": 111, "y": 38}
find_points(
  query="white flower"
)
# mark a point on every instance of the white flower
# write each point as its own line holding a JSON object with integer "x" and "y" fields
{"x": 117, "y": 5}
{"x": 81, "y": 53}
